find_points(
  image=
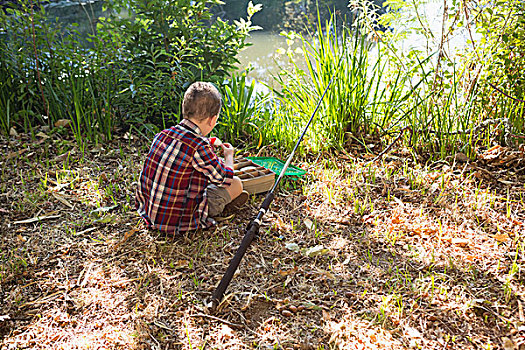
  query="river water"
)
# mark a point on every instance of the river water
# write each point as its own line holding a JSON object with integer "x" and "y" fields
{"x": 262, "y": 56}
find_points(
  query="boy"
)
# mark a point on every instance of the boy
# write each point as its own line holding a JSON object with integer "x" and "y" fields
{"x": 174, "y": 193}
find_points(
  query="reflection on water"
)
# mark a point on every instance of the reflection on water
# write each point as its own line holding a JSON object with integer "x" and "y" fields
{"x": 263, "y": 57}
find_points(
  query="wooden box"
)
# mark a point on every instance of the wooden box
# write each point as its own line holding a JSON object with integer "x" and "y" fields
{"x": 255, "y": 178}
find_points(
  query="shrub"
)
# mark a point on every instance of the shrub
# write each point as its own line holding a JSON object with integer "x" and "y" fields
{"x": 135, "y": 69}
{"x": 357, "y": 101}
{"x": 162, "y": 48}
{"x": 502, "y": 26}
{"x": 242, "y": 111}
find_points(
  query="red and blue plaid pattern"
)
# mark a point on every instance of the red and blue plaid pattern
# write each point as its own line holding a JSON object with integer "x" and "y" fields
{"x": 171, "y": 193}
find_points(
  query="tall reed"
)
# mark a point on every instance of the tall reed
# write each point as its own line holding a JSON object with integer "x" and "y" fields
{"x": 361, "y": 100}
{"x": 242, "y": 109}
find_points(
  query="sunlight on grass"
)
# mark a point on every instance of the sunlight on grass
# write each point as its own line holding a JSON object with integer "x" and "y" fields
{"x": 94, "y": 326}
{"x": 385, "y": 254}
{"x": 350, "y": 332}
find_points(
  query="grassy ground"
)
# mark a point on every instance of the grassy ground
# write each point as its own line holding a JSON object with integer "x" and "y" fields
{"x": 390, "y": 254}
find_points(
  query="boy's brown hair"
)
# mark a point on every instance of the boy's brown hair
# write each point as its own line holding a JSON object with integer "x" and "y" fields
{"x": 201, "y": 101}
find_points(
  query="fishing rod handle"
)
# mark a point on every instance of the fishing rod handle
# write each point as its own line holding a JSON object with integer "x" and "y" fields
{"x": 251, "y": 230}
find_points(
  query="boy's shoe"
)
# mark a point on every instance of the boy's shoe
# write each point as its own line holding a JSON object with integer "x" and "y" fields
{"x": 237, "y": 203}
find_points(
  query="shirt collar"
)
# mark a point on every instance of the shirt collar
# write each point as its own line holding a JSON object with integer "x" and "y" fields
{"x": 192, "y": 126}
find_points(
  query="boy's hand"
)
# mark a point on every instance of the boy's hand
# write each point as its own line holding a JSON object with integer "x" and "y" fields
{"x": 227, "y": 149}
{"x": 228, "y": 154}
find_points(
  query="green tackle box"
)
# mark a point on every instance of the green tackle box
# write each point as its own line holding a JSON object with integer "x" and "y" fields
{"x": 276, "y": 165}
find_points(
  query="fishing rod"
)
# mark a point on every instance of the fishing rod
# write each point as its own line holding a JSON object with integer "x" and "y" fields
{"x": 253, "y": 227}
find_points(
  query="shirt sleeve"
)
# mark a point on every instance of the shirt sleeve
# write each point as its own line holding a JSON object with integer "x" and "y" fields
{"x": 207, "y": 162}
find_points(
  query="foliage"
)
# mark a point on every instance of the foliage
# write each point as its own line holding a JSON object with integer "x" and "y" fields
{"x": 357, "y": 102}
{"x": 502, "y": 45}
{"x": 133, "y": 69}
{"x": 47, "y": 76}
{"x": 503, "y": 31}
{"x": 279, "y": 15}
{"x": 453, "y": 108}
{"x": 162, "y": 48}
{"x": 146, "y": 52}
{"x": 241, "y": 110}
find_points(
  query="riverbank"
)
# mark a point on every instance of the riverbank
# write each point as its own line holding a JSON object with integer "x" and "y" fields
{"x": 391, "y": 254}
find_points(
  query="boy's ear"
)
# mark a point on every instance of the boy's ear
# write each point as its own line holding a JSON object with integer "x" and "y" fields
{"x": 213, "y": 120}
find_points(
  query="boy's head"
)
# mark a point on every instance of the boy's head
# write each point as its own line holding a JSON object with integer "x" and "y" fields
{"x": 201, "y": 101}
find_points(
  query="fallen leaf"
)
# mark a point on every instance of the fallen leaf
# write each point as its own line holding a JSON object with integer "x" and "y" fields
{"x": 42, "y": 135}
{"x": 311, "y": 306}
{"x": 62, "y": 123}
{"x": 308, "y": 223}
{"x": 343, "y": 221}
{"x": 125, "y": 238}
{"x": 102, "y": 178}
{"x": 493, "y": 148}
{"x": 286, "y": 313}
{"x": 373, "y": 338}
{"x": 101, "y": 210}
{"x": 288, "y": 272}
{"x": 294, "y": 247}
{"x": 479, "y": 302}
{"x": 181, "y": 264}
{"x": 461, "y": 157}
{"x": 460, "y": 241}
{"x": 326, "y": 315}
{"x": 106, "y": 219}
{"x": 13, "y": 132}
{"x": 501, "y": 237}
{"x": 328, "y": 275}
{"x": 62, "y": 200}
{"x": 61, "y": 157}
{"x": 86, "y": 230}
{"x": 315, "y": 251}
{"x": 508, "y": 344}
{"x": 15, "y": 154}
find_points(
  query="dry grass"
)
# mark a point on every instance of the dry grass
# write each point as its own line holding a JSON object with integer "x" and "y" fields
{"x": 413, "y": 256}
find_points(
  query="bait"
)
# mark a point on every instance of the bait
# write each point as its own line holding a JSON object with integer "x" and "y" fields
{"x": 215, "y": 141}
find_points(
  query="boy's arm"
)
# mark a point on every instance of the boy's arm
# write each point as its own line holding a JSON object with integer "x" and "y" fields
{"x": 218, "y": 172}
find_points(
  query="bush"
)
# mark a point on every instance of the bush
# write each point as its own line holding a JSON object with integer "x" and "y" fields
{"x": 162, "y": 49}
{"x": 242, "y": 110}
{"x": 134, "y": 70}
{"x": 502, "y": 25}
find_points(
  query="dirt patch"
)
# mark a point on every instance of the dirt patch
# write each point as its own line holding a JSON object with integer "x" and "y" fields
{"x": 388, "y": 255}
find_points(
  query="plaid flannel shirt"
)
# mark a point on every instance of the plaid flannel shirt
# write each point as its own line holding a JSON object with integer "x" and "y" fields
{"x": 171, "y": 193}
